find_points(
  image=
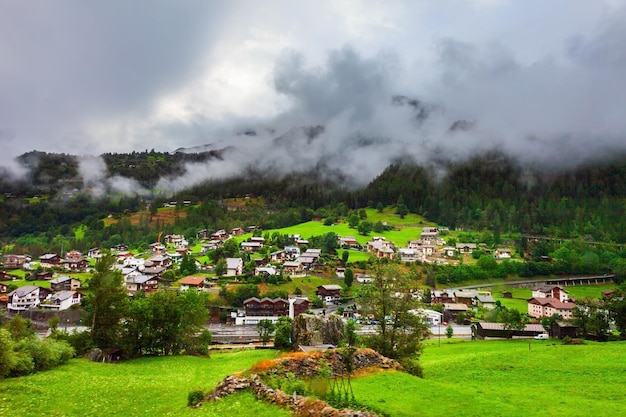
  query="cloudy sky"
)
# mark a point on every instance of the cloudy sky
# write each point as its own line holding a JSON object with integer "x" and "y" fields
{"x": 540, "y": 78}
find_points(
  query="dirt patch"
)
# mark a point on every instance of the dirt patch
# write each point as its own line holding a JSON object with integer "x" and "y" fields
{"x": 167, "y": 216}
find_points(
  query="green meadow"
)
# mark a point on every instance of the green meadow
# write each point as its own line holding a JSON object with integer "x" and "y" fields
{"x": 504, "y": 378}
{"x": 144, "y": 387}
{"x": 462, "y": 378}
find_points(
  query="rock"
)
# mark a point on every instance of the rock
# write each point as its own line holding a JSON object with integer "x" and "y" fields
{"x": 311, "y": 330}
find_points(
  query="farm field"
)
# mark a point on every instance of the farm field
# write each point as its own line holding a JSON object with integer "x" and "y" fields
{"x": 144, "y": 387}
{"x": 504, "y": 378}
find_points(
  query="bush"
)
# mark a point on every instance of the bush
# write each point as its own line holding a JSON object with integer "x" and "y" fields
{"x": 412, "y": 367}
{"x": 194, "y": 397}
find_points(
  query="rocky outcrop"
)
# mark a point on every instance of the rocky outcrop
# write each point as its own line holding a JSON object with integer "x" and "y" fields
{"x": 301, "y": 405}
{"x": 303, "y": 366}
{"x": 311, "y": 330}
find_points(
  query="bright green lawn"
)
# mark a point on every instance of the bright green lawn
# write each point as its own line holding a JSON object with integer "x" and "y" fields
{"x": 354, "y": 255}
{"x": 504, "y": 378}
{"x": 145, "y": 387}
{"x": 23, "y": 282}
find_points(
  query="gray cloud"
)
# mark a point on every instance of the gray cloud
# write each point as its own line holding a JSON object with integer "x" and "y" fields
{"x": 119, "y": 76}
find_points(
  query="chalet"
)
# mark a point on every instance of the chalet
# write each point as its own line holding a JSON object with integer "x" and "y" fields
{"x": 256, "y": 309}
{"x": 292, "y": 267}
{"x": 133, "y": 262}
{"x": 546, "y": 307}
{"x": 137, "y": 283}
{"x": 465, "y": 248}
{"x": 61, "y": 300}
{"x": 484, "y": 300}
{"x": 251, "y": 246}
{"x": 452, "y": 310}
{"x": 465, "y": 296}
{"x": 50, "y": 260}
{"x": 432, "y": 235}
{"x": 237, "y": 231}
{"x": 159, "y": 260}
{"x": 157, "y": 247}
{"x": 349, "y": 241}
{"x": 119, "y": 248}
{"x": 441, "y": 297}
{"x": 340, "y": 272}
{"x": 298, "y": 304}
{"x": 292, "y": 252}
{"x": 202, "y": 234}
{"x": 94, "y": 253}
{"x": 265, "y": 270}
{"x": 550, "y": 291}
{"x": 26, "y": 297}
{"x": 64, "y": 284}
{"x": 193, "y": 282}
{"x": 15, "y": 261}
{"x": 381, "y": 248}
{"x": 75, "y": 262}
{"x": 252, "y": 229}
{"x": 329, "y": 293}
{"x": 258, "y": 239}
{"x": 220, "y": 235}
{"x": 211, "y": 245}
{"x": 178, "y": 241}
{"x": 154, "y": 271}
{"x": 409, "y": 255}
{"x": 234, "y": 267}
{"x": 120, "y": 256}
{"x": 302, "y": 242}
{"x": 3, "y": 288}
{"x": 44, "y": 275}
{"x": 277, "y": 256}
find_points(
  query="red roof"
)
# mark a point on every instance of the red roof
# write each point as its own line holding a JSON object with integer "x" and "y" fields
{"x": 191, "y": 280}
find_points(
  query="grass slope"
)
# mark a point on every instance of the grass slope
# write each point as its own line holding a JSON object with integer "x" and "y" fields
{"x": 144, "y": 387}
{"x": 504, "y": 378}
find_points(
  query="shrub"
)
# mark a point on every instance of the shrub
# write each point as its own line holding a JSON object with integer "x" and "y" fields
{"x": 412, "y": 367}
{"x": 194, "y": 397}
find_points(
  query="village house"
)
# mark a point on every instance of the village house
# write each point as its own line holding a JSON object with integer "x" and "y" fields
{"x": 61, "y": 300}
{"x": 292, "y": 267}
{"x": 75, "y": 262}
{"x": 329, "y": 293}
{"x": 234, "y": 267}
{"x": 26, "y": 297}
{"x": 137, "y": 283}
{"x": 202, "y": 234}
{"x": 256, "y": 309}
{"x": 277, "y": 256}
{"x": 3, "y": 288}
{"x": 44, "y": 275}
{"x": 159, "y": 260}
{"x": 178, "y": 241}
{"x": 448, "y": 252}
{"x": 409, "y": 255}
{"x": 251, "y": 246}
{"x": 292, "y": 252}
{"x": 15, "y": 261}
{"x": 441, "y": 297}
{"x": 546, "y": 307}
{"x": 550, "y": 291}
{"x": 194, "y": 282}
{"x": 211, "y": 245}
{"x": 465, "y": 248}
{"x": 452, "y": 310}
{"x": 154, "y": 271}
{"x": 381, "y": 248}
{"x": 237, "y": 231}
{"x": 50, "y": 260}
{"x": 349, "y": 241}
{"x": 64, "y": 284}
{"x": 265, "y": 271}
{"x": 94, "y": 253}
{"x": 485, "y": 301}
{"x": 430, "y": 234}
{"x": 220, "y": 235}
{"x": 465, "y": 296}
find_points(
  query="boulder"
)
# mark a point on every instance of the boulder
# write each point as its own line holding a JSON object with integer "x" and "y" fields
{"x": 311, "y": 330}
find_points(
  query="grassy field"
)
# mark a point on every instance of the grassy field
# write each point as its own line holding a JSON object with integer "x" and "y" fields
{"x": 146, "y": 387}
{"x": 504, "y": 378}
{"x": 521, "y": 295}
{"x": 462, "y": 378}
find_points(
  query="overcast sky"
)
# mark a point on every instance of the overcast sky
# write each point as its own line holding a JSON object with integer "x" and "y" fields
{"x": 537, "y": 77}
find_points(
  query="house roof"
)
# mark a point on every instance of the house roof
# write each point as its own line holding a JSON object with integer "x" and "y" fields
{"x": 500, "y": 326}
{"x": 466, "y": 245}
{"x": 138, "y": 279}
{"x": 330, "y": 287}
{"x": 59, "y": 280}
{"x": 549, "y": 288}
{"x": 485, "y": 298}
{"x": 24, "y": 291}
{"x": 191, "y": 280}
{"x": 48, "y": 256}
{"x": 63, "y": 295}
{"x": 552, "y": 302}
{"x": 465, "y": 294}
{"x": 455, "y": 306}
{"x": 232, "y": 263}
